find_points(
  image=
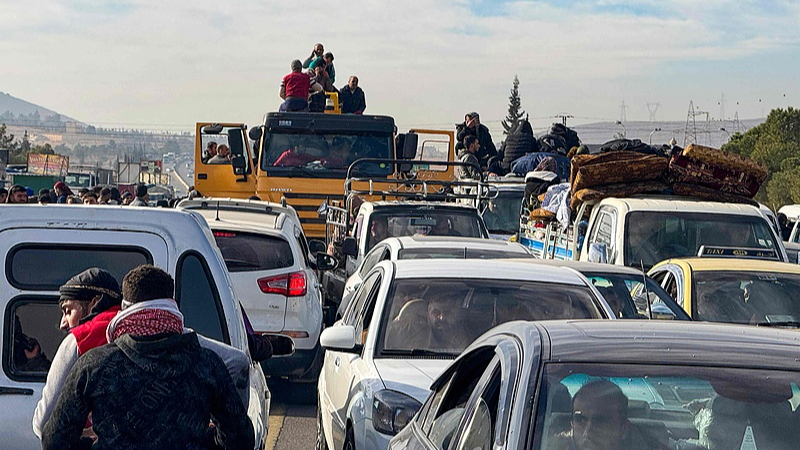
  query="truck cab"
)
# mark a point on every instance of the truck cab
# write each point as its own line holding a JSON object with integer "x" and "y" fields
{"x": 304, "y": 158}
{"x": 641, "y": 231}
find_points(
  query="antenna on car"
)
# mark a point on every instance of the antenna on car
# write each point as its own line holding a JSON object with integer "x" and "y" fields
{"x": 646, "y": 292}
{"x": 217, "y": 218}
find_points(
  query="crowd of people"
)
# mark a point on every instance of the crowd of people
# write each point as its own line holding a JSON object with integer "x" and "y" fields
{"x": 306, "y": 91}
{"x": 61, "y": 193}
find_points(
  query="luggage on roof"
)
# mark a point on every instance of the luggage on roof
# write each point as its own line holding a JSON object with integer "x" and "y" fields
{"x": 717, "y": 170}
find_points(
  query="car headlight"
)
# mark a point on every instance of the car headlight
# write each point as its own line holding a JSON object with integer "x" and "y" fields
{"x": 392, "y": 411}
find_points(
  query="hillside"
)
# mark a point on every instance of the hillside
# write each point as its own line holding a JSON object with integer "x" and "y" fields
{"x": 16, "y": 106}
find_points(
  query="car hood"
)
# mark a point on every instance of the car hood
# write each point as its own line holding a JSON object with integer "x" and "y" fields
{"x": 410, "y": 376}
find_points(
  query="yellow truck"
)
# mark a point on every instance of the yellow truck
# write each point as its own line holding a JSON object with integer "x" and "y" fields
{"x": 303, "y": 158}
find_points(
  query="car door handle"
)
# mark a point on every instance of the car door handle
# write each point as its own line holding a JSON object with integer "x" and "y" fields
{"x": 336, "y": 362}
{"x": 15, "y": 391}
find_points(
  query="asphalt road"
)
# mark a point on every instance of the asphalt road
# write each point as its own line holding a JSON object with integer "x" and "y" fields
{"x": 293, "y": 416}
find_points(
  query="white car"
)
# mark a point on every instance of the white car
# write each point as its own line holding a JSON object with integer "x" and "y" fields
{"x": 273, "y": 274}
{"x": 43, "y": 246}
{"x": 429, "y": 247}
{"x": 409, "y": 319}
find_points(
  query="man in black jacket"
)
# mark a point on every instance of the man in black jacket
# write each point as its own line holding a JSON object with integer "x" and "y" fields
{"x": 153, "y": 386}
{"x": 472, "y": 126}
{"x": 352, "y": 97}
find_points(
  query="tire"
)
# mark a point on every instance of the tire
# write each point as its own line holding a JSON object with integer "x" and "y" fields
{"x": 350, "y": 440}
{"x": 322, "y": 443}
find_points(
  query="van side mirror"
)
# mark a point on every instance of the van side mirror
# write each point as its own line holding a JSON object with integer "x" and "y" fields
{"x": 598, "y": 253}
{"x": 409, "y": 149}
{"x": 316, "y": 246}
{"x": 350, "y": 247}
{"x": 236, "y": 140}
{"x": 326, "y": 261}
{"x": 339, "y": 338}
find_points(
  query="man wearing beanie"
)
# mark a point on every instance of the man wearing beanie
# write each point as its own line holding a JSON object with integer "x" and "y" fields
{"x": 88, "y": 302}
{"x": 295, "y": 88}
{"x": 153, "y": 385}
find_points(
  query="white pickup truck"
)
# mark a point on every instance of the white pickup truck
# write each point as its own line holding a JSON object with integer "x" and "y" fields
{"x": 641, "y": 231}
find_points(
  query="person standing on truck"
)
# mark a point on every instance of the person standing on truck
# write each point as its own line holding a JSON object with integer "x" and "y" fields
{"x": 317, "y": 52}
{"x": 352, "y": 97}
{"x": 295, "y": 89}
{"x": 472, "y": 126}
{"x": 467, "y": 155}
{"x": 319, "y": 75}
{"x": 153, "y": 385}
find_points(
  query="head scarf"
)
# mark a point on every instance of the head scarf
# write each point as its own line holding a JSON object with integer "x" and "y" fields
{"x": 146, "y": 318}
{"x": 87, "y": 285}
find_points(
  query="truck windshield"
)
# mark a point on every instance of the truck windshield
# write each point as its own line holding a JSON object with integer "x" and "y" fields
{"x": 653, "y": 236}
{"x": 502, "y": 213}
{"x": 324, "y": 155}
{"x": 430, "y": 222}
{"x": 78, "y": 180}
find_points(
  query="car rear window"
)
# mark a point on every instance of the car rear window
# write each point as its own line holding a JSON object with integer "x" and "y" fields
{"x": 247, "y": 252}
{"x": 457, "y": 253}
{"x": 33, "y": 266}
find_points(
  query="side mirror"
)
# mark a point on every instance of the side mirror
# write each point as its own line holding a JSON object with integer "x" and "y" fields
{"x": 598, "y": 253}
{"x": 255, "y": 133}
{"x": 410, "y": 142}
{"x": 322, "y": 211}
{"x": 339, "y": 337}
{"x": 236, "y": 140}
{"x": 316, "y": 246}
{"x": 350, "y": 247}
{"x": 265, "y": 346}
{"x": 326, "y": 261}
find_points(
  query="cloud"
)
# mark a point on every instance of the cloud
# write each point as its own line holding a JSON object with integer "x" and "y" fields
{"x": 152, "y": 62}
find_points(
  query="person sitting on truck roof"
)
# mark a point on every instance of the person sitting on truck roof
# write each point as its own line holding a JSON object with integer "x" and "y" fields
{"x": 328, "y": 57}
{"x": 17, "y": 194}
{"x": 467, "y": 155}
{"x": 352, "y": 97}
{"x": 472, "y": 126}
{"x": 295, "y": 88}
{"x": 319, "y": 75}
{"x": 317, "y": 52}
{"x": 223, "y": 156}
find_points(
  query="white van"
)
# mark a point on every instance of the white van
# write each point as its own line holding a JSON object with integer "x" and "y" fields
{"x": 44, "y": 245}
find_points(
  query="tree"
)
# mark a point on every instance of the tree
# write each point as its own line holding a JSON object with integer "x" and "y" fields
{"x": 515, "y": 112}
{"x": 776, "y": 144}
{"x": 6, "y": 139}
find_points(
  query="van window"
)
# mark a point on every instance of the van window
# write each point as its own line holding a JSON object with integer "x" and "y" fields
{"x": 32, "y": 325}
{"x": 198, "y": 298}
{"x": 246, "y": 252}
{"x": 24, "y": 263}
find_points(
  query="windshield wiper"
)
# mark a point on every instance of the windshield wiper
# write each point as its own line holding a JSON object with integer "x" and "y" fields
{"x": 417, "y": 352}
{"x": 240, "y": 263}
{"x": 785, "y": 323}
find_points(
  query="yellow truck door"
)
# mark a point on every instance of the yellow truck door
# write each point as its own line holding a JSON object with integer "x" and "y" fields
{"x": 223, "y": 161}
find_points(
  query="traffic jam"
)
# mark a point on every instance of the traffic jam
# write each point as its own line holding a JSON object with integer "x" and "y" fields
{"x": 579, "y": 297}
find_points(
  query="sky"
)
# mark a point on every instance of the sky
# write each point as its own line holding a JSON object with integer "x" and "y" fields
{"x": 155, "y": 64}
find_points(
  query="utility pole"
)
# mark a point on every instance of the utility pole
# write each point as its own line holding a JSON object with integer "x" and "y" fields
{"x": 622, "y": 110}
{"x": 564, "y": 118}
{"x": 653, "y": 109}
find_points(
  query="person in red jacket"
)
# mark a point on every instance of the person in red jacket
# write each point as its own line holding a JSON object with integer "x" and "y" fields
{"x": 295, "y": 89}
{"x": 88, "y": 301}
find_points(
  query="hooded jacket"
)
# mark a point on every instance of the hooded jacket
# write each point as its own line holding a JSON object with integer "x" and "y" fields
{"x": 158, "y": 392}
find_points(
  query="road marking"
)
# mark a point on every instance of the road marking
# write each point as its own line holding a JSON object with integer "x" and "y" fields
{"x": 276, "y": 416}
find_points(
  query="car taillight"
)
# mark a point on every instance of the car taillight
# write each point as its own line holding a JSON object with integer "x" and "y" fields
{"x": 290, "y": 285}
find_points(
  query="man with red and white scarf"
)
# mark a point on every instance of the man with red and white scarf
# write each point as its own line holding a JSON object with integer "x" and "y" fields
{"x": 153, "y": 386}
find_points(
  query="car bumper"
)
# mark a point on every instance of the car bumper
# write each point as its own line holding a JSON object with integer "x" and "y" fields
{"x": 296, "y": 365}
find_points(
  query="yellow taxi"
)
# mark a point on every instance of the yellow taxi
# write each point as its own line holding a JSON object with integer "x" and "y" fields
{"x": 734, "y": 290}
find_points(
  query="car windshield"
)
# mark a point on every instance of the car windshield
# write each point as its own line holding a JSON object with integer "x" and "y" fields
{"x": 502, "y": 213}
{"x": 426, "y": 222}
{"x": 653, "y": 236}
{"x": 583, "y": 406}
{"x": 746, "y": 297}
{"x": 323, "y": 155}
{"x": 445, "y": 315}
{"x": 628, "y": 299}
{"x": 457, "y": 253}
